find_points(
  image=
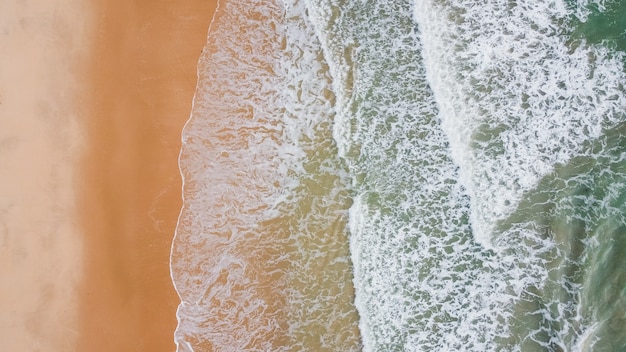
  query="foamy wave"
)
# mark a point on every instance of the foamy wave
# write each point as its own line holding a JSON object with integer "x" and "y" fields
{"x": 515, "y": 97}
{"x": 421, "y": 282}
{"x": 260, "y": 256}
{"x": 430, "y": 101}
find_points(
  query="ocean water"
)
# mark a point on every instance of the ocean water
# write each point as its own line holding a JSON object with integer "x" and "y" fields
{"x": 428, "y": 175}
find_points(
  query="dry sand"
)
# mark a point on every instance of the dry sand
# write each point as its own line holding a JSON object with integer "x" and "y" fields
{"x": 93, "y": 96}
{"x": 42, "y": 45}
{"x": 142, "y": 79}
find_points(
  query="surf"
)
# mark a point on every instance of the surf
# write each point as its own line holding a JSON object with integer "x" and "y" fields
{"x": 415, "y": 175}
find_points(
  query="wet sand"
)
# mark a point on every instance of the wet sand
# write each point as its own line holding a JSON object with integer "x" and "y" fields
{"x": 141, "y": 81}
{"x": 43, "y": 44}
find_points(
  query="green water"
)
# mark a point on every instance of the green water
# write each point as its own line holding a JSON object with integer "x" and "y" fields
{"x": 581, "y": 207}
{"x": 602, "y": 208}
{"x": 605, "y": 25}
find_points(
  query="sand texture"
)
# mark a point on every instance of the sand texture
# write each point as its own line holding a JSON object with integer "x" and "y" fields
{"x": 142, "y": 77}
{"x": 42, "y": 46}
{"x": 93, "y": 97}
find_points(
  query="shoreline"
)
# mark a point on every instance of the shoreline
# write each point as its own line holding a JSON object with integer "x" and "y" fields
{"x": 142, "y": 77}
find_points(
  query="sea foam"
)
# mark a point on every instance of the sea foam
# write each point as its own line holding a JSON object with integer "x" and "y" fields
{"x": 516, "y": 95}
{"x": 260, "y": 258}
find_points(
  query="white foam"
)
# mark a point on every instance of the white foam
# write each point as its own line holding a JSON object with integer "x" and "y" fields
{"x": 262, "y": 205}
{"x": 514, "y": 99}
{"x": 421, "y": 283}
{"x": 587, "y": 339}
{"x": 418, "y": 276}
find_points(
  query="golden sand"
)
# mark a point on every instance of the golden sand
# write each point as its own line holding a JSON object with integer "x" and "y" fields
{"x": 142, "y": 77}
{"x": 42, "y": 45}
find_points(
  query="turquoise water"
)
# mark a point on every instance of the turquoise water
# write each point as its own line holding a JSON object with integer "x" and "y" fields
{"x": 602, "y": 23}
{"x": 406, "y": 176}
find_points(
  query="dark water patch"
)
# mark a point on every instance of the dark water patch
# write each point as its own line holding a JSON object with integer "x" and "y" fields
{"x": 580, "y": 210}
{"x": 607, "y": 25}
{"x": 602, "y": 25}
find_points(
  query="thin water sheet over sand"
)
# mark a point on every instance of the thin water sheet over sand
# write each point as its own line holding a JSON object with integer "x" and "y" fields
{"x": 142, "y": 78}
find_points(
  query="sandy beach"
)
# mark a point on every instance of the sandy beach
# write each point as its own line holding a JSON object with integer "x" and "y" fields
{"x": 93, "y": 97}
{"x": 43, "y": 45}
{"x": 142, "y": 77}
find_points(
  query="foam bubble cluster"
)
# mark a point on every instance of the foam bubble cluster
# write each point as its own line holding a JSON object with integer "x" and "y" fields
{"x": 260, "y": 259}
{"x": 469, "y": 152}
{"x": 516, "y": 97}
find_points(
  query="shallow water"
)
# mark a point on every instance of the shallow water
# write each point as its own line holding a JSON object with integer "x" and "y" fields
{"x": 405, "y": 176}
